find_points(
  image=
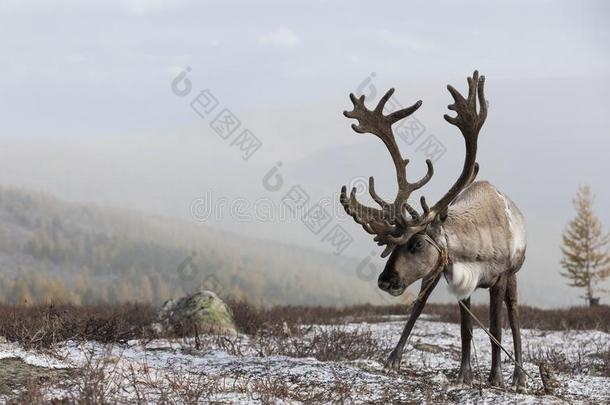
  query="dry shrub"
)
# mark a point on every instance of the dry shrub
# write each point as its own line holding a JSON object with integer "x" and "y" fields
{"x": 592, "y": 358}
{"x": 560, "y": 362}
{"x": 268, "y": 389}
{"x": 98, "y": 380}
{"x": 191, "y": 388}
{"x": 40, "y": 326}
{"x": 574, "y": 318}
{"x": 605, "y": 369}
{"x": 329, "y": 315}
{"x": 336, "y": 344}
{"x": 252, "y": 320}
{"x": 249, "y": 319}
{"x": 32, "y": 394}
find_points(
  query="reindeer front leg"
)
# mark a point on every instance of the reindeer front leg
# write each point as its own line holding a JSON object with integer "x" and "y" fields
{"x": 465, "y": 374}
{"x": 427, "y": 285}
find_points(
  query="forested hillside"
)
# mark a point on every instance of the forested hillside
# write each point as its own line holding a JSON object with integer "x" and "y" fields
{"x": 52, "y": 250}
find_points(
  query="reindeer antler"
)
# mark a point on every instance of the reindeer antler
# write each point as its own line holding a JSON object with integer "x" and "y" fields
{"x": 469, "y": 122}
{"x": 390, "y": 224}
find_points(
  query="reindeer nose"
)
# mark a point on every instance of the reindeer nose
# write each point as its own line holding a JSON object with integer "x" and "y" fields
{"x": 384, "y": 285}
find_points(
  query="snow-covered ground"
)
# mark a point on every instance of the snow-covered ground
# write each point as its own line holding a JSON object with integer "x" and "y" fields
{"x": 237, "y": 370}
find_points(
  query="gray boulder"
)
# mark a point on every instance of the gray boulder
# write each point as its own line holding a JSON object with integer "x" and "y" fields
{"x": 202, "y": 312}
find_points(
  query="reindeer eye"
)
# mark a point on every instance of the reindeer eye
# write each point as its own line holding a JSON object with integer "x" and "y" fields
{"x": 417, "y": 245}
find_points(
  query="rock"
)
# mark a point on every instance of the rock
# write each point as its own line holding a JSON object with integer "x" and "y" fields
{"x": 202, "y": 312}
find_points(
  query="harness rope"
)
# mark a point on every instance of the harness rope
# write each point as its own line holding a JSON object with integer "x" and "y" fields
{"x": 493, "y": 339}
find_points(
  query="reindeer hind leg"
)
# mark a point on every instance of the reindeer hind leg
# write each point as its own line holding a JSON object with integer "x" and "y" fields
{"x": 496, "y": 296}
{"x": 511, "y": 300}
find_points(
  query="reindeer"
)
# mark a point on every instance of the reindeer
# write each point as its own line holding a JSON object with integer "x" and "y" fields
{"x": 474, "y": 235}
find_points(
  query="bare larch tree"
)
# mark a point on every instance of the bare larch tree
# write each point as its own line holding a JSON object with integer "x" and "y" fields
{"x": 585, "y": 248}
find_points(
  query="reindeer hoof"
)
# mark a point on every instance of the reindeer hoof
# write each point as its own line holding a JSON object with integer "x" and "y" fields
{"x": 465, "y": 375}
{"x": 520, "y": 381}
{"x": 393, "y": 362}
{"x": 496, "y": 379}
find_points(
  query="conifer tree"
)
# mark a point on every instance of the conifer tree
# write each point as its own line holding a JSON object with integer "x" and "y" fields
{"x": 585, "y": 253}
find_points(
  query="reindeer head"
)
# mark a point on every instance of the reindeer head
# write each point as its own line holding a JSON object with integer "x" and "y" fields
{"x": 408, "y": 235}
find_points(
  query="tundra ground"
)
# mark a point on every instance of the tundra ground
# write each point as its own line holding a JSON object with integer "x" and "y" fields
{"x": 290, "y": 362}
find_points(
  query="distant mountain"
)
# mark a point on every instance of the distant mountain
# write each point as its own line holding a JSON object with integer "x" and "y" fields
{"x": 51, "y": 249}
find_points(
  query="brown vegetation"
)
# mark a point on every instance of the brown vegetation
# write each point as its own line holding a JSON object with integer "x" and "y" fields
{"x": 575, "y": 318}
{"x": 40, "y": 326}
{"x": 288, "y": 331}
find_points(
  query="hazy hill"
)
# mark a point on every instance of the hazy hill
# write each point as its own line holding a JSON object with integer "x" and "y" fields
{"x": 53, "y": 249}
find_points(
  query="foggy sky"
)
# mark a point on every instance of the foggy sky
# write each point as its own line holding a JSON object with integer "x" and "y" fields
{"x": 88, "y": 112}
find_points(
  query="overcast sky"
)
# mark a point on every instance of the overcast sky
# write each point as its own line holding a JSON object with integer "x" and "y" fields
{"x": 85, "y": 89}
{"x": 102, "y": 67}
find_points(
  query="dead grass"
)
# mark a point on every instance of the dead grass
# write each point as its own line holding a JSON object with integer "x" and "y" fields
{"x": 99, "y": 382}
{"x": 574, "y": 318}
{"x": 590, "y": 359}
{"x": 275, "y": 331}
{"x": 252, "y": 320}
{"x": 40, "y": 326}
{"x": 337, "y": 344}
{"x": 31, "y": 394}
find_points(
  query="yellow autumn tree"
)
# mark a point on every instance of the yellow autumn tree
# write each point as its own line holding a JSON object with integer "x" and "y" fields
{"x": 585, "y": 248}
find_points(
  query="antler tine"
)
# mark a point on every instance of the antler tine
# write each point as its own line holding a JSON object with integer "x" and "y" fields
{"x": 356, "y": 101}
{"x": 382, "y": 102}
{"x": 355, "y": 209}
{"x": 374, "y": 194}
{"x": 472, "y": 89}
{"x": 412, "y": 211}
{"x": 424, "y": 205}
{"x": 388, "y": 249}
{"x": 405, "y": 112}
{"x": 422, "y": 182}
{"x": 362, "y": 214}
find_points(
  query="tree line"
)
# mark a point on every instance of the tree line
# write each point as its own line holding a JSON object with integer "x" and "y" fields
{"x": 52, "y": 250}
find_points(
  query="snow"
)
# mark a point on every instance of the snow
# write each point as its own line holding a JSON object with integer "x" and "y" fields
{"x": 427, "y": 374}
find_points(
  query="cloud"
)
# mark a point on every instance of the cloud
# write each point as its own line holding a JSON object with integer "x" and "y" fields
{"x": 282, "y": 37}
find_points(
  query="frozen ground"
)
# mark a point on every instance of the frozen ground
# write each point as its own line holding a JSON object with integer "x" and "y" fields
{"x": 238, "y": 370}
